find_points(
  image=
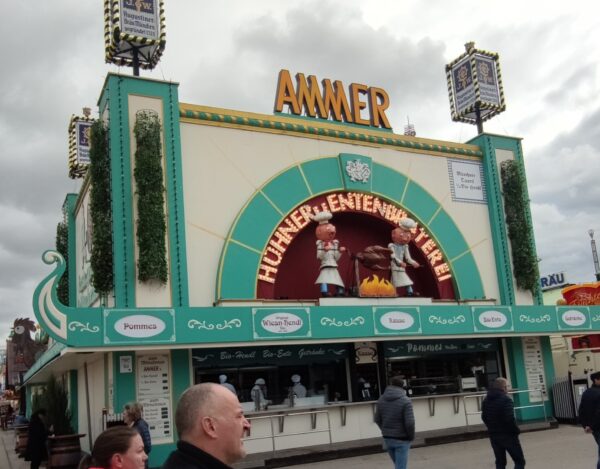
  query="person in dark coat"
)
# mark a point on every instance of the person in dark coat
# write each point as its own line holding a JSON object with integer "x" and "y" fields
{"x": 497, "y": 412}
{"x": 211, "y": 427}
{"x": 37, "y": 435}
{"x": 396, "y": 420}
{"x": 589, "y": 411}
{"x": 133, "y": 417}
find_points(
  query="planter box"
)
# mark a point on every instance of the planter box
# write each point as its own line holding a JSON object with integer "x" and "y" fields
{"x": 64, "y": 451}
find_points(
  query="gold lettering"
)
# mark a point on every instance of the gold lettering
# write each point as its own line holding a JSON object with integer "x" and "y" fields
{"x": 309, "y": 95}
{"x": 335, "y": 100}
{"x": 378, "y": 117}
{"x": 273, "y": 262}
{"x": 428, "y": 246}
{"x": 379, "y": 207}
{"x": 290, "y": 228}
{"x": 346, "y": 202}
{"x": 356, "y": 90}
{"x": 421, "y": 235}
{"x": 367, "y": 203}
{"x": 306, "y": 212}
{"x": 334, "y": 204}
{"x": 357, "y": 199}
{"x": 441, "y": 269}
{"x": 299, "y": 220}
{"x": 279, "y": 247}
{"x": 267, "y": 275}
{"x": 434, "y": 257}
{"x": 285, "y": 93}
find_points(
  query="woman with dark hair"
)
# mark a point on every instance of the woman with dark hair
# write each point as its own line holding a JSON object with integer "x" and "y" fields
{"x": 37, "y": 434}
{"x": 116, "y": 448}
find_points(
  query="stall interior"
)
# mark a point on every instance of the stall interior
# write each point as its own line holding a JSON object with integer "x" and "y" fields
{"x": 444, "y": 367}
{"x": 290, "y": 375}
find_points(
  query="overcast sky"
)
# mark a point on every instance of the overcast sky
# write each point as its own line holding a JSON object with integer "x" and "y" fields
{"x": 228, "y": 54}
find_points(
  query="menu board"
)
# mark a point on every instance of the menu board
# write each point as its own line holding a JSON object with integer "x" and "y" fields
{"x": 534, "y": 368}
{"x": 154, "y": 393}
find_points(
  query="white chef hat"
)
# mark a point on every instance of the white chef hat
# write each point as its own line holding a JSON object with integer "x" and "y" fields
{"x": 295, "y": 378}
{"x": 222, "y": 378}
{"x": 322, "y": 217}
{"x": 407, "y": 224}
{"x": 260, "y": 381}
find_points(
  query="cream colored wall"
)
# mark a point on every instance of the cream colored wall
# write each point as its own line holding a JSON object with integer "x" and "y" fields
{"x": 149, "y": 293}
{"x": 96, "y": 386}
{"x": 223, "y": 168}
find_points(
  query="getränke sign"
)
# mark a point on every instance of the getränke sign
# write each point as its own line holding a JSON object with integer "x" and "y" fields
{"x": 306, "y": 98}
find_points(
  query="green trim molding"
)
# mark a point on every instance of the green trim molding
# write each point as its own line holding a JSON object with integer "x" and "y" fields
{"x": 115, "y": 100}
{"x": 200, "y": 326}
{"x": 272, "y": 203}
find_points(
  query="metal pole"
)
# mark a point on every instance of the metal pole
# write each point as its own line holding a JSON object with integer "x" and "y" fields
{"x": 87, "y": 404}
{"x": 478, "y": 120}
{"x": 136, "y": 62}
{"x": 595, "y": 254}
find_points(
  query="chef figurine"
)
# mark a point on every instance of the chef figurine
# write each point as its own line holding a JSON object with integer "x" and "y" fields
{"x": 298, "y": 388}
{"x": 223, "y": 381}
{"x": 400, "y": 255}
{"x": 328, "y": 252}
{"x": 259, "y": 395}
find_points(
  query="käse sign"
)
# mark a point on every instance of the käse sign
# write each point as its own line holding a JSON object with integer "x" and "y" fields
{"x": 306, "y": 98}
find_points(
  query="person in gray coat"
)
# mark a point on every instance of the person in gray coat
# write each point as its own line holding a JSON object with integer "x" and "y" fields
{"x": 396, "y": 420}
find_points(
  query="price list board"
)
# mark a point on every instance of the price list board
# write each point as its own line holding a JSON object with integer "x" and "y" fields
{"x": 154, "y": 393}
{"x": 534, "y": 368}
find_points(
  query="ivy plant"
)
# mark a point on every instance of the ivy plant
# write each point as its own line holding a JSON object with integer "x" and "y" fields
{"x": 62, "y": 243}
{"x": 519, "y": 230}
{"x": 101, "y": 210}
{"x": 151, "y": 223}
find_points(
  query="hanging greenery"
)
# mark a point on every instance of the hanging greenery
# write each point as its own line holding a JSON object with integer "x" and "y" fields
{"x": 519, "y": 231}
{"x": 101, "y": 210}
{"x": 62, "y": 243}
{"x": 55, "y": 399}
{"x": 151, "y": 224}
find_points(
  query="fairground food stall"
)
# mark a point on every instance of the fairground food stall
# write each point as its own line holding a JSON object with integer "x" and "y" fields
{"x": 237, "y": 294}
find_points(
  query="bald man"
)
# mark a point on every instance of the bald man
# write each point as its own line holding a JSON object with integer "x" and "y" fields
{"x": 211, "y": 424}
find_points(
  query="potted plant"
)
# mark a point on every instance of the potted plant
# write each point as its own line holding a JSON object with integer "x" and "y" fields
{"x": 64, "y": 448}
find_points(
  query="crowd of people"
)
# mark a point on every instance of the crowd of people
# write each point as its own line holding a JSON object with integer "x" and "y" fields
{"x": 211, "y": 426}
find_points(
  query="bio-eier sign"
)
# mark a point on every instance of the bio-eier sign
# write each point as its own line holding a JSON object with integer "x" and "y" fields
{"x": 306, "y": 98}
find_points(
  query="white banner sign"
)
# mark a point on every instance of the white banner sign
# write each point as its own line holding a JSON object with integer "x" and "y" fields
{"x": 154, "y": 393}
{"x": 534, "y": 368}
{"x": 466, "y": 181}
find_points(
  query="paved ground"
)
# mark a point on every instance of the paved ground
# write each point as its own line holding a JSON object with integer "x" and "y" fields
{"x": 561, "y": 448}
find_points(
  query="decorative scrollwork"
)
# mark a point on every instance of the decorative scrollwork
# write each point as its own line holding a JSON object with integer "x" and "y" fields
{"x": 460, "y": 319}
{"x": 596, "y": 318}
{"x": 76, "y": 325}
{"x": 333, "y": 322}
{"x": 232, "y": 323}
{"x": 538, "y": 320}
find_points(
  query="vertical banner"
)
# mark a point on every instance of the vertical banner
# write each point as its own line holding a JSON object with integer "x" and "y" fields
{"x": 154, "y": 393}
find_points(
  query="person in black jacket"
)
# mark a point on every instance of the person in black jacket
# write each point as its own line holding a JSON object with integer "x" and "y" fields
{"x": 589, "y": 411}
{"x": 132, "y": 415}
{"x": 37, "y": 434}
{"x": 395, "y": 418}
{"x": 211, "y": 425}
{"x": 497, "y": 412}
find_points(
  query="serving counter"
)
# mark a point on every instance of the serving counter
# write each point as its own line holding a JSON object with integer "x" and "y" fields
{"x": 282, "y": 427}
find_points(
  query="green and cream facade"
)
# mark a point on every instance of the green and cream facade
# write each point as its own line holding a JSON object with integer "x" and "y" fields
{"x": 232, "y": 179}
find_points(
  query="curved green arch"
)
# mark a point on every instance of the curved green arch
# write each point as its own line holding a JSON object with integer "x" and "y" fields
{"x": 268, "y": 207}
